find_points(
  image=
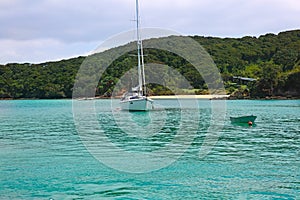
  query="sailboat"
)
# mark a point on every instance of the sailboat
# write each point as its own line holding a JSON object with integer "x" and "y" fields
{"x": 135, "y": 99}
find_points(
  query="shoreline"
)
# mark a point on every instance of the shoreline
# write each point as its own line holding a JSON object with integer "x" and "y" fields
{"x": 190, "y": 97}
{"x": 170, "y": 97}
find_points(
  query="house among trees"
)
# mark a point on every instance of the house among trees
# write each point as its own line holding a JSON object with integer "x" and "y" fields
{"x": 242, "y": 80}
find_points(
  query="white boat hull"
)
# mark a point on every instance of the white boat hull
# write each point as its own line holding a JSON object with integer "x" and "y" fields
{"x": 140, "y": 104}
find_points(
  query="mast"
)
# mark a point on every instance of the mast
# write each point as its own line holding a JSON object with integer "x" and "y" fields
{"x": 143, "y": 70}
{"x": 139, "y": 49}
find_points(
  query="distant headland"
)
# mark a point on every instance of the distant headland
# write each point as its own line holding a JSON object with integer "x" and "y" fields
{"x": 266, "y": 67}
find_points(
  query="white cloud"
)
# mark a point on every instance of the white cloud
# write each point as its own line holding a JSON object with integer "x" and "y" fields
{"x": 48, "y": 29}
{"x": 230, "y": 18}
{"x": 41, "y": 50}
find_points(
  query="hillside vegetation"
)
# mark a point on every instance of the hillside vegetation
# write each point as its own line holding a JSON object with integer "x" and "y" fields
{"x": 273, "y": 60}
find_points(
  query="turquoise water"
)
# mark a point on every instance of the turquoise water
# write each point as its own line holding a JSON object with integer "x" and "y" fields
{"x": 44, "y": 153}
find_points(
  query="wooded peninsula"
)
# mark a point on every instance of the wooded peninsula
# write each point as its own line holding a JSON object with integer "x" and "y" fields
{"x": 267, "y": 66}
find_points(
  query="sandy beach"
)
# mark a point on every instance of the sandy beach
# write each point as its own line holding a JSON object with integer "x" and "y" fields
{"x": 190, "y": 97}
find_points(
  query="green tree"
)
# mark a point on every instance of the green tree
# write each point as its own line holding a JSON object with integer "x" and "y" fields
{"x": 269, "y": 79}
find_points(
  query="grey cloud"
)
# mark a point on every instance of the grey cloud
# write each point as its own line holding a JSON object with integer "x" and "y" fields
{"x": 68, "y": 23}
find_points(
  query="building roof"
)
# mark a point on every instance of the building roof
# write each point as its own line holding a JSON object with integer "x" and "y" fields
{"x": 244, "y": 78}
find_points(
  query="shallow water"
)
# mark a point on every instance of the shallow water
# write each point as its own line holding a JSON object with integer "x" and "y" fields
{"x": 51, "y": 150}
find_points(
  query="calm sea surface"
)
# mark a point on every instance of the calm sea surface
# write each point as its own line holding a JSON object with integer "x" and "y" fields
{"x": 58, "y": 149}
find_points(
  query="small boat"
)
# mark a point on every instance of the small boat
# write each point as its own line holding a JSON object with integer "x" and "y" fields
{"x": 135, "y": 99}
{"x": 243, "y": 119}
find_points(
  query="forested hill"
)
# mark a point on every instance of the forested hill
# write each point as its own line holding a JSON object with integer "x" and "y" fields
{"x": 273, "y": 60}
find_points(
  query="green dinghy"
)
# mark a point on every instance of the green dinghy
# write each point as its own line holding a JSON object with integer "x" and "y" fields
{"x": 243, "y": 119}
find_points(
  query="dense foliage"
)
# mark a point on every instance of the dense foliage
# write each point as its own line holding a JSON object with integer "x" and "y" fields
{"x": 46, "y": 80}
{"x": 273, "y": 60}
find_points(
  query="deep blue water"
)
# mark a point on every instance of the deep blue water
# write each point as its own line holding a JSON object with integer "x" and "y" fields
{"x": 51, "y": 150}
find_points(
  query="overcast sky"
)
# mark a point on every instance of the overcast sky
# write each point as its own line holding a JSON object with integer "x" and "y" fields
{"x": 36, "y": 31}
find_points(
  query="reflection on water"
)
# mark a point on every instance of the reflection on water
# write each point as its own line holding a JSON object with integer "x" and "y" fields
{"x": 141, "y": 118}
